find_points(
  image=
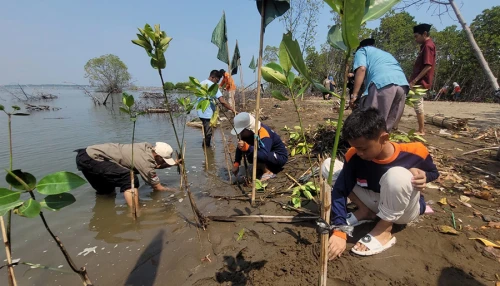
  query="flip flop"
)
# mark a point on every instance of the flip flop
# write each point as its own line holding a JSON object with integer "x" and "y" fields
{"x": 267, "y": 176}
{"x": 374, "y": 246}
{"x": 353, "y": 221}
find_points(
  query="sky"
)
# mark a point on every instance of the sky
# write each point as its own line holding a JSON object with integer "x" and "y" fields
{"x": 49, "y": 42}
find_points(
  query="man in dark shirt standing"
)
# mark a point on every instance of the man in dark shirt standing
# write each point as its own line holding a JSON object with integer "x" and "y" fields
{"x": 423, "y": 70}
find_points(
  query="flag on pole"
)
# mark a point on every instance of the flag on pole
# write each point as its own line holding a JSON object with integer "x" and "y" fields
{"x": 219, "y": 38}
{"x": 252, "y": 65}
{"x": 235, "y": 62}
{"x": 273, "y": 9}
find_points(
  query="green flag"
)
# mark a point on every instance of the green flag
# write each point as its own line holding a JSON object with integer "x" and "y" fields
{"x": 273, "y": 9}
{"x": 219, "y": 38}
{"x": 235, "y": 62}
{"x": 252, "y": 64}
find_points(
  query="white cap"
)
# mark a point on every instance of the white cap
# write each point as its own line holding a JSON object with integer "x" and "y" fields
{"x": 243, "y": 121}
{"x": 165, "y": 151}
{"x": 455, "y": 84}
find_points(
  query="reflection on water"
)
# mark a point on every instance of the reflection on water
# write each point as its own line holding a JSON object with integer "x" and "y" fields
{"x": 44, "y": 143}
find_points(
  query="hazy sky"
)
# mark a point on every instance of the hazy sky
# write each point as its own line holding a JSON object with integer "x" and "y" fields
{"x": 50, "y": 41}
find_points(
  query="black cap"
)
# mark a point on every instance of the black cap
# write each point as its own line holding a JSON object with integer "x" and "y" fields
{"x": 422, "y": 28}
{"x": 367, "y": 42}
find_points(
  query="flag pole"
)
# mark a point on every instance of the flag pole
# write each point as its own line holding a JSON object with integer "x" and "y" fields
{"x": 257, "y": 100}
{"x": 227, "y": 47}
{"x": 242, "y": 84}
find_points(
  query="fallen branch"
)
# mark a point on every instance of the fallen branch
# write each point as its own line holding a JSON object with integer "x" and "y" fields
{"x": 482, "y": 149}
{"x": 485, "y": 172}
{"x": 262, "y": 218}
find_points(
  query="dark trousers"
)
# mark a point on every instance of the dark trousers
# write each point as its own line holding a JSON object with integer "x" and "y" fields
{"x": 104, "y": 176}
{"x": 207, "y": 129}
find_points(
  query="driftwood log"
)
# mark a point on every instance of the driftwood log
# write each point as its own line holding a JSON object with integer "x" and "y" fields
{"x": 450, "y": 123}
{"x": 157, "y": 110}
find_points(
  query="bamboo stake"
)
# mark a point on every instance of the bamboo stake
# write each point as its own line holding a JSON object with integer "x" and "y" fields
{"x": 228, "y": 66}
{"x": 12, "y": 276}
{"x": 225, "y": 154}
{"x": 242, "y": 85}
{"x": 325, "y": 214}
{"x": 257, "y": 100}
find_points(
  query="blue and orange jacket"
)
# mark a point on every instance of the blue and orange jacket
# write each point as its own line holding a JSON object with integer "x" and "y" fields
{"x": 367, "y": 174}
{"x": 269, "y": 142}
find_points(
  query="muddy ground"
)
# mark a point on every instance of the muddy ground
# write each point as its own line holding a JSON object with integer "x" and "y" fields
{"x": 288, "y": 254}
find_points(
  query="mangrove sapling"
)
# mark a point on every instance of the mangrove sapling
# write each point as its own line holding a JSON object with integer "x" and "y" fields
{"x": 281, "y": 74}
{"x": 155, "y": 43}
{"x": 55, "y": 186}
{"x": 6, "y": 230}
{"x": 128, "y": 103}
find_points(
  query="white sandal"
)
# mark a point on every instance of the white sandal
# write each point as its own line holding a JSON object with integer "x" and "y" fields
{"x": 374, "y": 246}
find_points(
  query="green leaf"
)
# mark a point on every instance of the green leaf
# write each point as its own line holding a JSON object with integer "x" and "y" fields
{"x": 273, "y": 76}
{"x": 57, "y": 202}
{"x": 258, "y": 184}
{"x": 374, "y": 9}
{"x": 2, "y": 108}
{"x": 144, "y": 44}
{"x": 293, "y": 50}
{"x": 194, "y": 81}
{"x": 21, "y": 114}
{"x": 7, "y": 196}
{"x": 308, "y": 195}
{"x": 5, "y": 208}
{"x": 203, "y": 105}
{"x": 276, "y": 67}
{"x": 278, "y": 95}
{"x": 128, "y": 99}
{"x": 154, "y": 63}
{"x": 290, "y": 78}
{"x": 149, "y": 32}
{"x": 30, "y": 208}
{"x": 28, "y": 180}
{"x": 164, "y": 42}
{"x": 351, "y": 22}
{"x": 162, "y": 62}
{"x": 212, "y": 91}
{"x": 59, "y": 182}
{"x": 124, "y": 110}
{"x": 303, "y": 89}
{"x": 296, "y": 202}
{"x": 336, "y": 5}
{"x": 335, "y": 38}
{"x": 285, "y": 62}
{"x": 15, "y": 107}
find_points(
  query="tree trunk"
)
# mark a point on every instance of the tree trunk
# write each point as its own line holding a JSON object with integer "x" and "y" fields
{"x": 475, "y": 48}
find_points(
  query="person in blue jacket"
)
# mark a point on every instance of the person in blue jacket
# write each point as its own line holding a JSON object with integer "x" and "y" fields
{"x": 272, "y": 154}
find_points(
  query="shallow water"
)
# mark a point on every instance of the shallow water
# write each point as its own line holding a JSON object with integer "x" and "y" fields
{"x": 44, "y": 143}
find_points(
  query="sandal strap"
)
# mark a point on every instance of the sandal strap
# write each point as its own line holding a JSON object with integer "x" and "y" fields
{"x": 370, "y": 241}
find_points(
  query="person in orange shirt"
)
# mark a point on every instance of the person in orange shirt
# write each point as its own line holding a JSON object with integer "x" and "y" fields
{"x": 228, "y": 85}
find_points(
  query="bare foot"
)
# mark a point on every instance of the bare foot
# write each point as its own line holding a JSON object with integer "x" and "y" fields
{"x": 383, "y": 238}
{"x": 420, "y": 133}
{"x": 364, "y": 214}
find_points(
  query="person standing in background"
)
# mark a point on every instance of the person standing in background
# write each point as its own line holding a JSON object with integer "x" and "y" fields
{"x": 228, "y": 85}
{"x": 456, "y": 91}
{"x": 423, "y": 69}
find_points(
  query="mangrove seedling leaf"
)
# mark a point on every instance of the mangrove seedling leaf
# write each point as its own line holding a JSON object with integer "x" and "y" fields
{"x": 2, "y": 108}
{"x": 128, "y": 99}
{"x": 290, "y": 77}
{"x": 276, "y": 67}
{"x": 28, "y": 180}
{"x": 240, "y": 234}
{"x": 124, "y": 110}
{"x": 57, "y": 202}
{"x": 194, "y": 81}
{"x": 212, "y": 91}
{"x": 273, "y": 76}
{"x": 59, "y": 182}
{"x": 15, "y": 107}
{"x": 21, "y": 114}
{"x": 335, "y": 38}
{"x": 374, "y": 9}
{"x": 278, "y": 95}
{"x": 7, "y": 196}
{"x": 296, "y": 202}
{"x": 164, "y": 42}
{"x": 308, "y": 195}
{"x": 30, "y": 208}
{"x": 337, "y": 6}
{"x": 285, "y": 62}
{"x": 293, "y": 50}
{"x": 351, "y": 22}
{"x": 203, "y": 105}
{"x": 5, "y": 208}
{"x": 303, "y": 89}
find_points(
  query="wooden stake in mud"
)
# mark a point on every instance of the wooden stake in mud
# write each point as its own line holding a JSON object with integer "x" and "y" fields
{"x": 257, "y": 100}
{"x": 12, "y": 277}
{"x": 242, "y": 84}
{"x": 325, "y": 214}
{"x": 225, "y": 154}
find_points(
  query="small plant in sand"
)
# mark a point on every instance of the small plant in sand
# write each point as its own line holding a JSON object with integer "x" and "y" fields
{"x": 295, "y": 144}
{"x": 155, "y": 42}
{"x": 55, "y": 187}
{"x": 308, "y": 191}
